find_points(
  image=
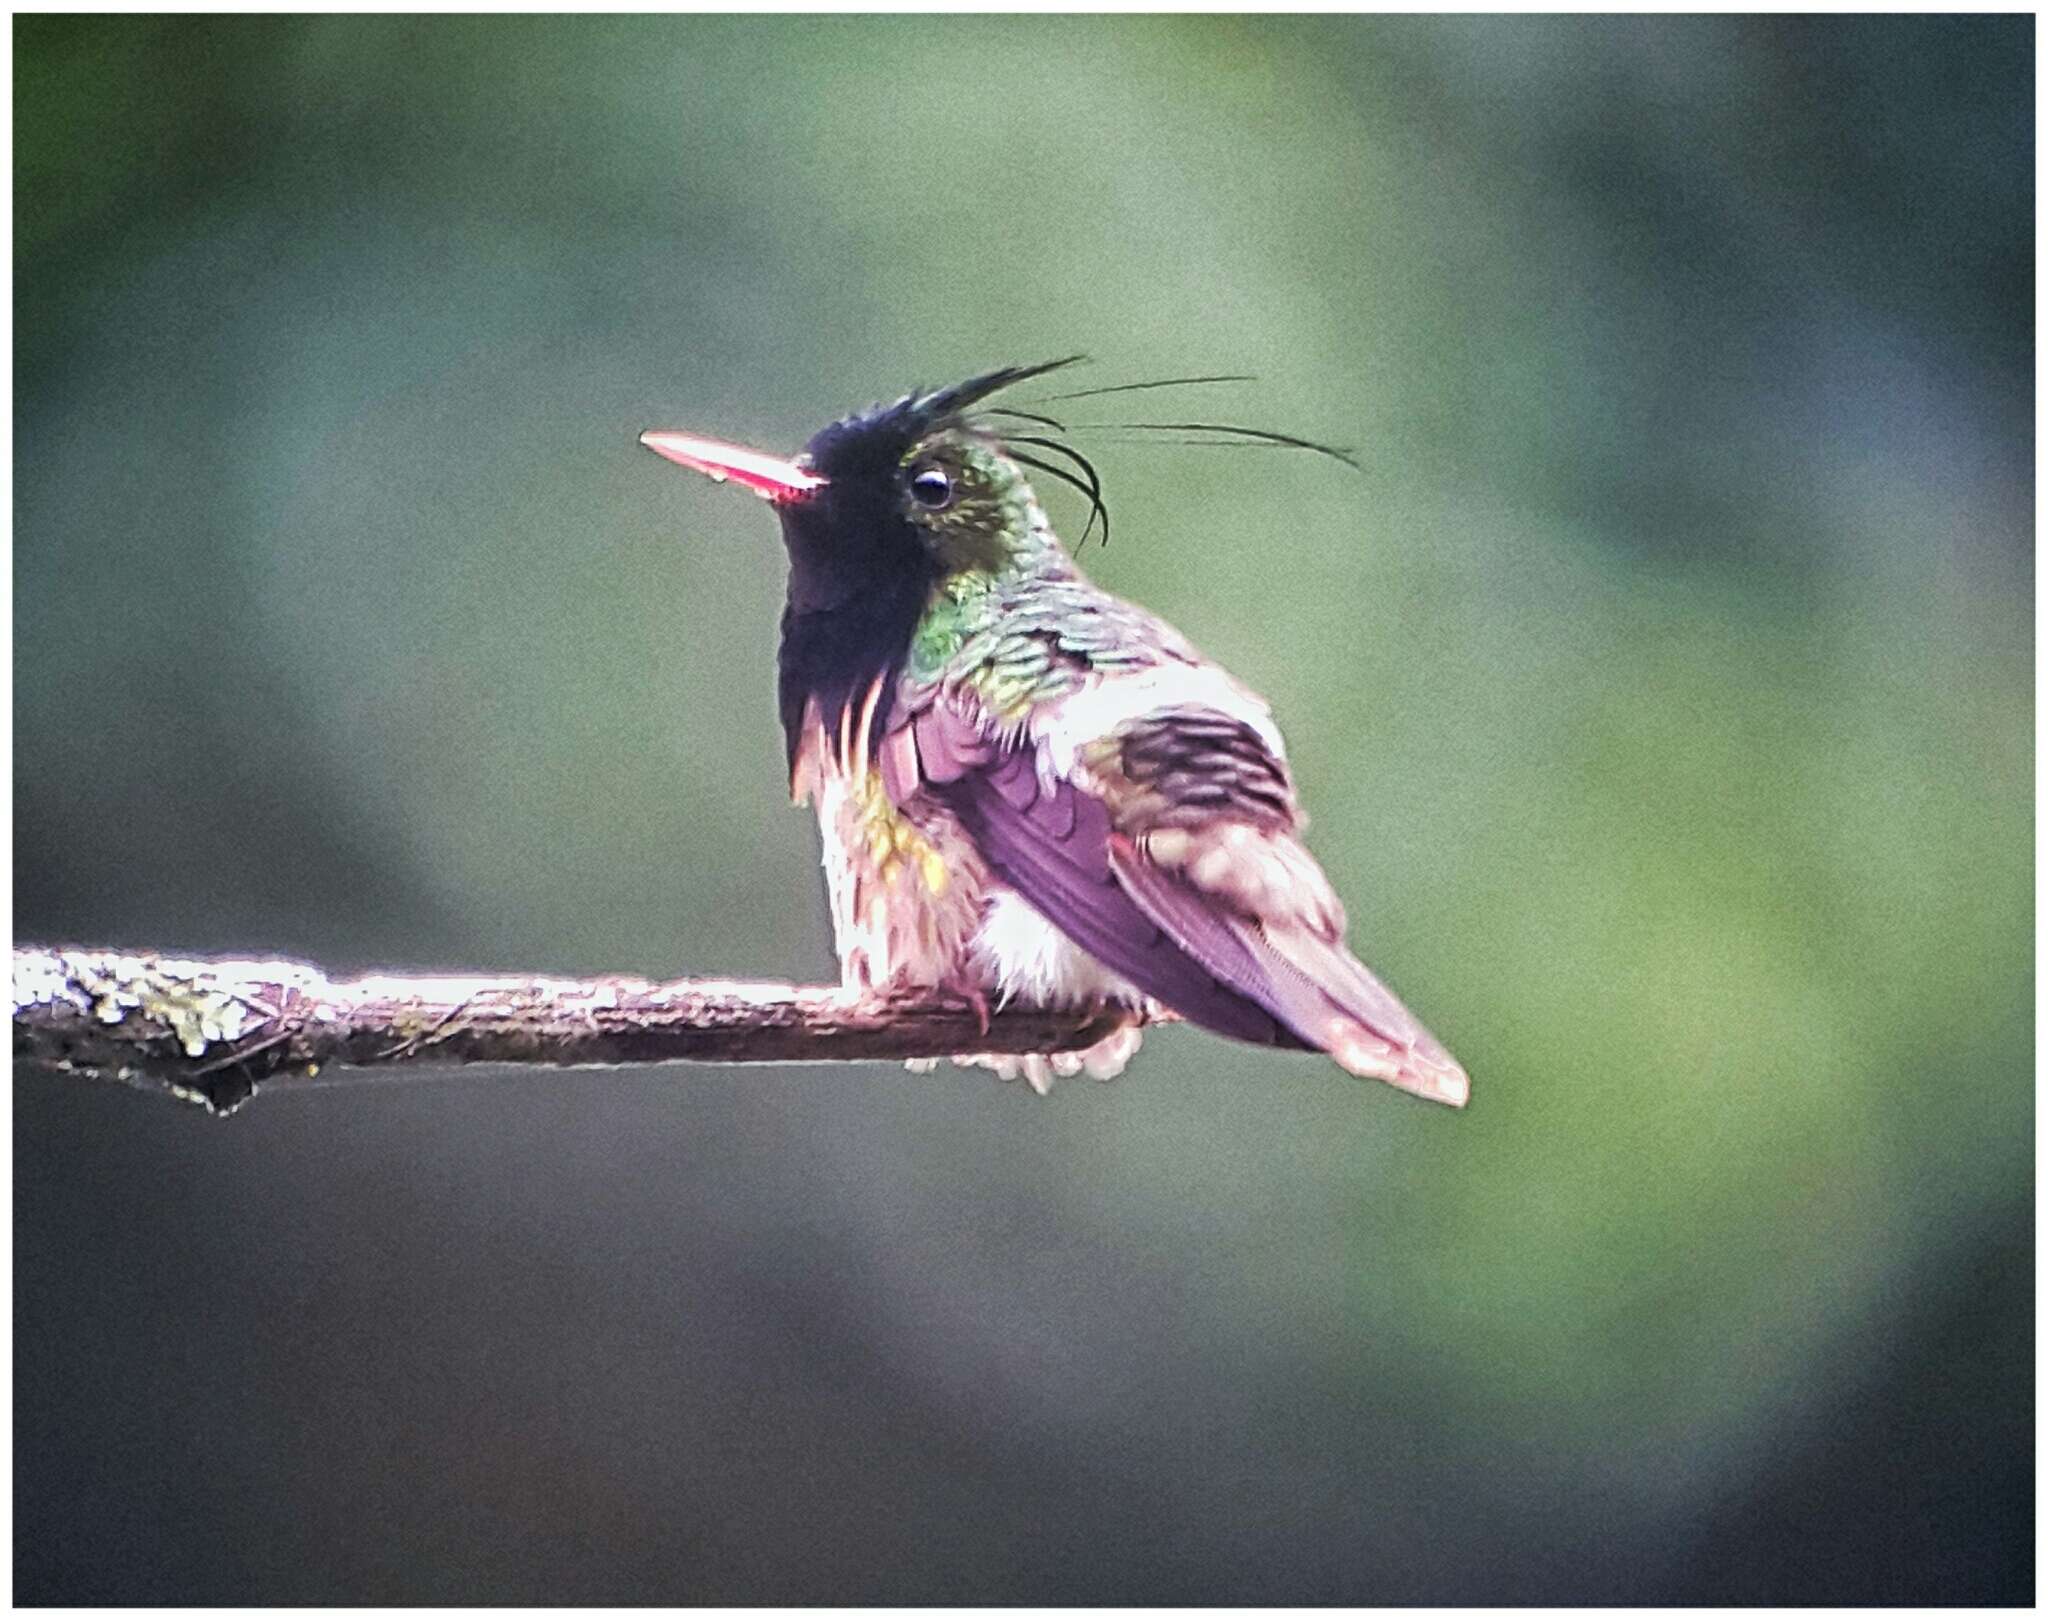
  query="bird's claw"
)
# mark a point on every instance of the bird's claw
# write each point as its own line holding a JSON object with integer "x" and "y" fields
{"x": 975, "y": 997}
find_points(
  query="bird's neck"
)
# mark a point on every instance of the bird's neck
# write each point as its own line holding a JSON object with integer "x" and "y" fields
{"x": 963, "y": 605}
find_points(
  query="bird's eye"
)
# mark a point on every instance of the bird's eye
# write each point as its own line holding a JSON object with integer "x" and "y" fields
{"x": 931, "y": 488}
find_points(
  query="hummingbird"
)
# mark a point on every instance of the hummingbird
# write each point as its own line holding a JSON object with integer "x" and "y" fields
{"x": 1027, "y": 788}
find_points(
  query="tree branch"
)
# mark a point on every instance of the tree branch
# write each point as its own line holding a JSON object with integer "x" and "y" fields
{"x": 211, "y": 1031}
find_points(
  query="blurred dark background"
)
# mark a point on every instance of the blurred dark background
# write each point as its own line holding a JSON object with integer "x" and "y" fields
{"x": 1663, "y": 693}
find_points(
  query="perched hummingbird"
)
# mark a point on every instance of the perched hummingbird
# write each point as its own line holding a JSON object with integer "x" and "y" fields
{"x": 1028, "y": 788}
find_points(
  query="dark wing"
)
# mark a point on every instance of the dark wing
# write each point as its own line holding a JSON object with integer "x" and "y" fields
{"x": 1173, "y": 860}
{"x": 1051, "y": 843}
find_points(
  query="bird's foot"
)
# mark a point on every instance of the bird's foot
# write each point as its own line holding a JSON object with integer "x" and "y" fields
{"x": 1036, "y": 1070}
{"x": 1106, "y": 1060}
{"x": 973, "y": 993}
{"x": 1103, "y": 1061}
{"x": 963, "y": 989}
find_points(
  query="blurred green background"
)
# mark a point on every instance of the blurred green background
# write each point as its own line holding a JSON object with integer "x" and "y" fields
{"x": 1663, "y": 693}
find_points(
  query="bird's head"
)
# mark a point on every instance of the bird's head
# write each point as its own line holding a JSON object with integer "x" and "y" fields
{"x": 879, "y": 512}
{"x": 888, "y": 507}
{"x": 894, "y": 499}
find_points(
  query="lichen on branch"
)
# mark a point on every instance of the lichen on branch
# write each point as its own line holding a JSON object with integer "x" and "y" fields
{"x": 212, "y": 1030}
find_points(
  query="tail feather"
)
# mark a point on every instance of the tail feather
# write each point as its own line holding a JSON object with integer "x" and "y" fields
{"x": 1312, "y": 986}
{"x": 1331, "y": 999}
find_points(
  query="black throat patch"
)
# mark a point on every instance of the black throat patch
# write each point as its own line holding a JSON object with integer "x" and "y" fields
{"x": 859, "y": 581}
{"x": 860, "y": 574}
